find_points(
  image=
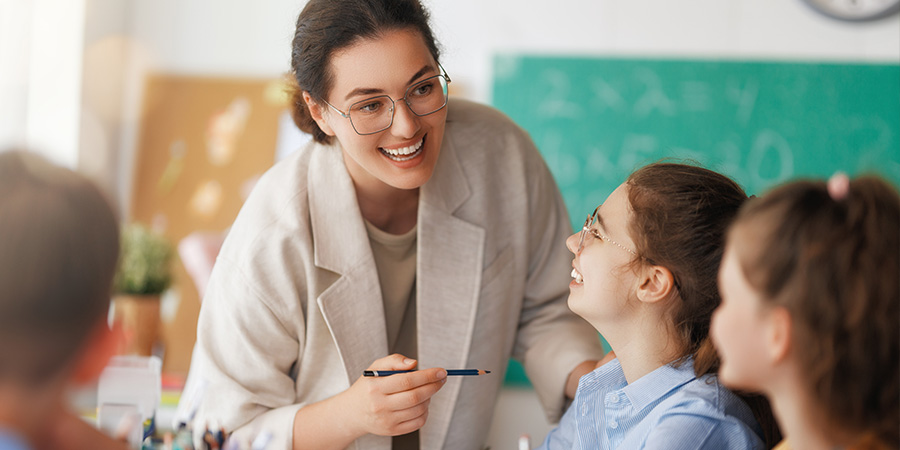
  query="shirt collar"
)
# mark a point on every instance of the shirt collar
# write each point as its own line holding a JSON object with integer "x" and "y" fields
{"x": 607, "y": 377}
{"x": 656, "y": 384}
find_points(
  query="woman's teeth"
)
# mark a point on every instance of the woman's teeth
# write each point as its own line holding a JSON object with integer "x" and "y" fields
{"x": 577, "y": 276}
{"x": 403, "y": 153}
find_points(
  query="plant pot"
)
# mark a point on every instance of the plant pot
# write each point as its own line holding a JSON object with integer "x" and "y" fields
{"x": 139, "y": 317}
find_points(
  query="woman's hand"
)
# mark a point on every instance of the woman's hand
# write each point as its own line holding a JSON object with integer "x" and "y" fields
{"x": 395, "y": 404}
{"x": 386, "y": 406}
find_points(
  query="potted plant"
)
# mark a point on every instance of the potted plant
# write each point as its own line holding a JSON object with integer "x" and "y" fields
{"x": 143, "y": 274}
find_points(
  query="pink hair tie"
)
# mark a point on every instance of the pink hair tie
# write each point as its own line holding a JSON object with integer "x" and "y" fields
{"x": 838, "y": 186}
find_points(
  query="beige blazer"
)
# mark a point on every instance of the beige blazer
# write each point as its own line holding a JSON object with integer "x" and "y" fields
{"x": 294, "y": 314}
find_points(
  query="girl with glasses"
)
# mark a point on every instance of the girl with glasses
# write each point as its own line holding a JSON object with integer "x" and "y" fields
{"x": 810, "y": 307}
{"x": 644, "y": 275}
{"x": 414, "y": 232}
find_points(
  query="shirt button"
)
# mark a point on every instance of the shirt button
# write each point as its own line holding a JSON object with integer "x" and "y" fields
{"x": 612, "y": 398}
{"x": 584, "y": 409}
{"x": 614, "y": 424}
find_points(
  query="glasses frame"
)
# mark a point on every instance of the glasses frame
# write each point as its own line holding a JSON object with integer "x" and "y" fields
{"x": 346, "y": 115}
{"x": 587, "y": 229}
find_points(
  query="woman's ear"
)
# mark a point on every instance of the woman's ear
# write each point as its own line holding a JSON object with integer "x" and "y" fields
{"x": 315, "y": 111}
{"x": 778, "y": 334}
{"x": 656, "y": 284}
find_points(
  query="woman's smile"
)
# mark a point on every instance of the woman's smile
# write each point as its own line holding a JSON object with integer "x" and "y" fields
{"x": 404, "y": 153}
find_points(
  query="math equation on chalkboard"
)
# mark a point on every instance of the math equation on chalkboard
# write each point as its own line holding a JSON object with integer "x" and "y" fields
{"x": 596, "y": 119}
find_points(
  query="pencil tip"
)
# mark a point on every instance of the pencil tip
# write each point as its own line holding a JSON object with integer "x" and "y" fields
{"x": 487, "y": 371}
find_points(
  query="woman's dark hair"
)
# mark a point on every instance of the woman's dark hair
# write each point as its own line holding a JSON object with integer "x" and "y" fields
{"x": 325, "y": 26}
{"x": 833, "y": 263}
{"x": 681, "y": 215}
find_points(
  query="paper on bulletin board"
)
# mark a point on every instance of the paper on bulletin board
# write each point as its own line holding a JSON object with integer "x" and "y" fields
{"x": 202, "y": 144}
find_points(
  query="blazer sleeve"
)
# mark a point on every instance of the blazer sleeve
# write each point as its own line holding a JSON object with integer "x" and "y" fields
{"x": 551, "y": 339}
{"x": 247, "y": 346}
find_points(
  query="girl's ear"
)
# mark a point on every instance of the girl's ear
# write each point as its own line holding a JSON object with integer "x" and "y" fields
{"x": 315, "y": 111}
{"x": 656, "y": 284}
{"x": 778, "y": 334}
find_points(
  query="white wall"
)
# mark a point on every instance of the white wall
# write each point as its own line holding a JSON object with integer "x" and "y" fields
{"x": 106, "y": 51}
{"x": 15, "y": 48}
{"x": 40, "y": 76}
{"x": 733, "y": 29}
{"x": 239, "y": 37}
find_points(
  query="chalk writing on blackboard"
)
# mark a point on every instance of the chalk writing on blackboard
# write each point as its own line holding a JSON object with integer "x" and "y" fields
{"x": 596, "y": 119}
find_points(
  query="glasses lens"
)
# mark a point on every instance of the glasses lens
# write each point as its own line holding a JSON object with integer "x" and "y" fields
{"x": 371, "y": 115}
{"x": 427, "y": 96}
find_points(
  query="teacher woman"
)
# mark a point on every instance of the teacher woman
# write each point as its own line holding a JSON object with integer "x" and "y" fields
{"x": 413, "y": 232}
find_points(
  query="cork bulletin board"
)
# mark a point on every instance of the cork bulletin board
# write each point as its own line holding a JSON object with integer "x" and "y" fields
{"x": 202, "y": 144}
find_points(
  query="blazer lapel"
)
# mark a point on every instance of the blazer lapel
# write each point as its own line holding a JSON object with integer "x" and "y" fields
{"x": 448, "y": 285}
{"x": 352, "y": 305}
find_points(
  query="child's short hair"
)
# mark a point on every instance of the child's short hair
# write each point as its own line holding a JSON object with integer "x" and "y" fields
{"x": 833, "y": 261}
{"x": 59, "y": 243}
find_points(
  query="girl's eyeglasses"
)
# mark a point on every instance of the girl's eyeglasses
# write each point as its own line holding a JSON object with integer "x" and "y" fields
{"x": 587, "y": 228}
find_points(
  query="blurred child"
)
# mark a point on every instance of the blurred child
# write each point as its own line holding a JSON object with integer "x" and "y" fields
{"x": 645, "y": 277}
{"x": 58, "y": 250}
{"x": 810, "y": 311}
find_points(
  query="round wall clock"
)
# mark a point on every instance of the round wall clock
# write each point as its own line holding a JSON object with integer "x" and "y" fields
{"x": 855, "y": 10}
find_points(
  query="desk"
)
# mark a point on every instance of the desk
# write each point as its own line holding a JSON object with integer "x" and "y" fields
{"x": 518, "y": 412}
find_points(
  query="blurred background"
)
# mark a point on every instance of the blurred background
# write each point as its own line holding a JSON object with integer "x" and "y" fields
{"x": 176, "y": 106}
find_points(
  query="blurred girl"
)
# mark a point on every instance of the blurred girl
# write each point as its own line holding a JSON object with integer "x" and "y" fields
{"x": 645, "y": 277}
{"x": 810, "y": 310}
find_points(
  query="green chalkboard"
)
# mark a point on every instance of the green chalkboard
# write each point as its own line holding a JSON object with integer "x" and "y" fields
{"x": 595, "y": 120}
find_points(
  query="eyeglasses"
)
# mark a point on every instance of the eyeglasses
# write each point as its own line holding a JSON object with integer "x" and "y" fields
{"x": 376, "y": 114}
{"x": 588, "y": 229}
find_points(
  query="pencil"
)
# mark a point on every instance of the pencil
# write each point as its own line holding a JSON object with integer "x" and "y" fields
{"x": 450, "y": 372}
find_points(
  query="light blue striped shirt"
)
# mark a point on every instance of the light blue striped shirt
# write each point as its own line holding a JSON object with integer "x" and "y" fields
{"x": 668, "y": 408}
{"x": 11, "y": 441}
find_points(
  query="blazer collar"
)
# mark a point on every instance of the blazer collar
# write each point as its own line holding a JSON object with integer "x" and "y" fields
{"x": 448, "y": 281}
{"x": 352, "y": 305}
{"x": 448, "y": 293}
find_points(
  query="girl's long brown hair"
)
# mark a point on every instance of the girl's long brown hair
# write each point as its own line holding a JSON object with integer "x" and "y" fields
{"x": 833, "y": 262}
{"x": 681, "y": 216}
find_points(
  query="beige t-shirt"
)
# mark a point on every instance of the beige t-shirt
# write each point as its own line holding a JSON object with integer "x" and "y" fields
{"x": 395, "y": 260}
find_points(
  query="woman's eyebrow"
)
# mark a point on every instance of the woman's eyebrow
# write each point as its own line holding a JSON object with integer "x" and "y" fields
{"x": 421, "y": 72}
{"x": 370, "y": 91}
{"x": 363, "y": 91}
